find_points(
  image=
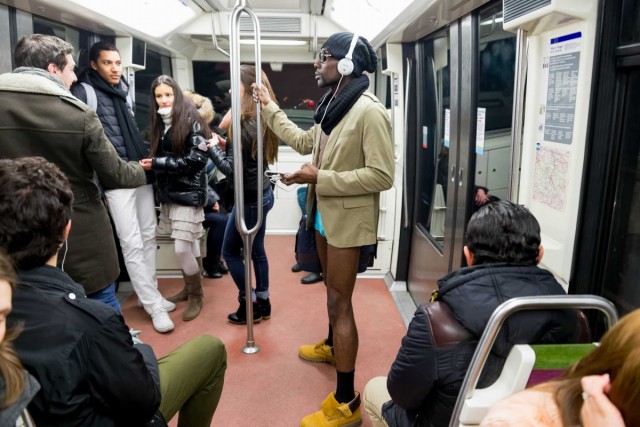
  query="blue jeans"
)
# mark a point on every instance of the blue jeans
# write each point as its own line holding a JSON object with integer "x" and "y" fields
{"x": 216, "y": 222}
{"x": 233, "y": 244}
{"x": 107, "y": 296}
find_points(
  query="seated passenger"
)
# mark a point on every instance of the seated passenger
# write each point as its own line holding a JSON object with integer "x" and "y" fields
{"x": 80, "y": 350}
{"x": 17, "y": 387}
{"x": 602, "y": 389}
{"x": 503, "y": 250}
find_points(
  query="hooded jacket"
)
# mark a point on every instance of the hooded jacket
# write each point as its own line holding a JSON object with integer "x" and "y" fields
{"x": 39, "y": 116}
{"x": 425, "y": 379}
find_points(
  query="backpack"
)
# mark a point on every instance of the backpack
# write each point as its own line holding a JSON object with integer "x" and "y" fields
{"x": 92, "y": 99}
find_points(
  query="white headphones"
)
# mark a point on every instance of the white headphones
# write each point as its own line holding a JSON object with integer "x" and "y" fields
{"x": 345, "y": 65}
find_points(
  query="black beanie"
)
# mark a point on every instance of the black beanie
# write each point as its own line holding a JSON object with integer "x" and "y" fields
{"x": 364, "y": 57}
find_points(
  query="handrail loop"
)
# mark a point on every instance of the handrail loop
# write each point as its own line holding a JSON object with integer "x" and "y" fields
{"x": 499, "y": 316}
{"x": 247, "y": 234}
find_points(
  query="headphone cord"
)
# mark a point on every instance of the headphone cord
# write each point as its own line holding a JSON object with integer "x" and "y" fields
{"x": 64, "y": 257}
{"x": 332, "y": 98}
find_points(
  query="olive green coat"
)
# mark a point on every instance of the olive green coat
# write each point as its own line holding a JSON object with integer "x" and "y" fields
{"x": 40, "y": 117}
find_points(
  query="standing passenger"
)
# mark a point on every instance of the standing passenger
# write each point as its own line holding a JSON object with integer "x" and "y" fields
{"x": 38, "y": 115}
{"x": 215, "y": 220}
{"x": 179, "y": 157}
{"x": 352, "y": 163}
{"x": 132, "y": 209}
{"x": 232, "y": 243}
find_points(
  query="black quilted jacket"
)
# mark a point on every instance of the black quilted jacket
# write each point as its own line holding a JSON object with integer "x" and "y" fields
{"x": 425, "y": 378}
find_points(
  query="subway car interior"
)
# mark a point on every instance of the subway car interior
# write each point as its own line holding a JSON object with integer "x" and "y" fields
{"x": 526, "y": 101}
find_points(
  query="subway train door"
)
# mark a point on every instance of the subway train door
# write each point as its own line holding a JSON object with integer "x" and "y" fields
{"x": 460, "y": 137}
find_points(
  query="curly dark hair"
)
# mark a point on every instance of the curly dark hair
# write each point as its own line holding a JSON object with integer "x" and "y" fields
{"x": 35, "y": 207}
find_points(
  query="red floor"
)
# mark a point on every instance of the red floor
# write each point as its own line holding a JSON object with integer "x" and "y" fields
{"x": 274, "y": 387}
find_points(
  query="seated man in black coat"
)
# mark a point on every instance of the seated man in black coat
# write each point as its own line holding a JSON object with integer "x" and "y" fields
{"x": 80, "y": 351}
{"x": 502, "y": 250}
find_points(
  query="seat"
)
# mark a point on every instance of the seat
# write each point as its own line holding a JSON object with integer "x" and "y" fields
{"x": 472, "y": 404}
{"x": 526, "y": 366}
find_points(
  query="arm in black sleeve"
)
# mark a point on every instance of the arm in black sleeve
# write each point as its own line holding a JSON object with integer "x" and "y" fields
{"x": 193, "y": 159}
{"x": 119, "y": 377}
{"x": 223, "y": 160}
{"x": 413, "y": 373}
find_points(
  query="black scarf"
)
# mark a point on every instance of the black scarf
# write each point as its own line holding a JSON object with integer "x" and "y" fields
{"x": 133, "y": 142}
{"x": 329, "y": 117}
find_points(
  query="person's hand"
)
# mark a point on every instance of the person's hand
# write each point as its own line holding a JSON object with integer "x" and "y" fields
{"x": 597, "y": 410}
{"x": 481, "y": 197}
{"x": 217, "y": 140}
{"x": 216, "y": 207}
{"x": 146, "y": 164}
{"x": 261, "y": 94}
{"x": 307, "y": 174}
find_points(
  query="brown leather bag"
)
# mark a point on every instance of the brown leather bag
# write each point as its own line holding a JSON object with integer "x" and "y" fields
{"x": 446, "y": 329}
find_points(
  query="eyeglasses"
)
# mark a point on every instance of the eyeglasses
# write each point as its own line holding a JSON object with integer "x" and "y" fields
{"x": 322, "y": 56}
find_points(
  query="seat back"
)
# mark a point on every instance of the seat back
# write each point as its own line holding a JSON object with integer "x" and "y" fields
{"x": 474, "y": 414}
{"x": 553, "y": 359}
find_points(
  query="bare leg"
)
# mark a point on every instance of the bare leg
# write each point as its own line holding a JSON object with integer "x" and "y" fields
{"x": 340, "y": 267}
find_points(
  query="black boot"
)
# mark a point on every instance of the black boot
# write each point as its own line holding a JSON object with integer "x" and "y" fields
{"x": 265, "y": 308}
{"x": 222, "y": 267}
{"x": 240, "y": 316}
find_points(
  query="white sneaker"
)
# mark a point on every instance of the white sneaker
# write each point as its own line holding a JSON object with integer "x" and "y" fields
{"x": 161, "y": 321}
{"x": 168, "y": 305}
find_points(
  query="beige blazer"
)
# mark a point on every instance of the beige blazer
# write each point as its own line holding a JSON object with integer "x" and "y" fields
{"x": 357, "y": 164}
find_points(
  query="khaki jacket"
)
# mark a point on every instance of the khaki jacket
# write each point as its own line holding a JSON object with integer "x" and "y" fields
{"x": 39, "y": 117}
{"x": 357, "y": 164}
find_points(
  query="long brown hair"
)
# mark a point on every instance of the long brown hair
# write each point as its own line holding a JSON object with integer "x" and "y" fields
{"x": 10, "y": 367}
{"x": 183, "y": 114}
{"x": 619, "y": 356}
{"x": 248, "y": 111}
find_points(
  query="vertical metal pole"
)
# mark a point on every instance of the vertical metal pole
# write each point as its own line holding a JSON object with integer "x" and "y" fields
{"x": 247, "y": 234}
{"x": 517, "y": 113}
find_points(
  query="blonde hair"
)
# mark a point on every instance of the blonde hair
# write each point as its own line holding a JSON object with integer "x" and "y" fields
{"x": 619, "y": 356}
{"x": 204, "y": 105}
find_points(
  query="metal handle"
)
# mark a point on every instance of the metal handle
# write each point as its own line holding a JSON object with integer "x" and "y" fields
{"x": 453, "y": 174}
{"x": 518, "y": 108}
{"x": 460, "y": 177}
{"x": 499, "y": 316}
{"x": 241, "y": 225}
{"x": 214, "y": 38}
{"x": 405, "y": 200}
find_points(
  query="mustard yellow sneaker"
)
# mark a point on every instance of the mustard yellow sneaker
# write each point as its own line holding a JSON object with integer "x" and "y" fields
{"x": 318, "y": 353}
{"x": 334, "y": 414}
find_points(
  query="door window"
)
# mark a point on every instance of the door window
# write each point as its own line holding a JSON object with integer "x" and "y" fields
{"x": 433, "y": 140}
{"x": 496, "y": 63}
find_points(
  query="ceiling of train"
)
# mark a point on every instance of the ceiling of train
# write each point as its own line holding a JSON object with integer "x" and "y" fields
{"x": 189, "y": 26}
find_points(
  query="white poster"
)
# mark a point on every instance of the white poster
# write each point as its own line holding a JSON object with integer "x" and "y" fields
{"x": 447, "y": 126}
{"x": 480, "y": 121}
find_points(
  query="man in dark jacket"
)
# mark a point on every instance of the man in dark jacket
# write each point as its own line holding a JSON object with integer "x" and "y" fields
{"x": 132, "y": 209}
{"x": 39, "y": 116}
{"x": 80, "y": 350}
{"x": 503, "y": 250}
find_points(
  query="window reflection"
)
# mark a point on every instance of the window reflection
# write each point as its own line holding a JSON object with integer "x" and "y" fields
{"x": 496, "y": 68}
{"x": 433, "y": 152}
